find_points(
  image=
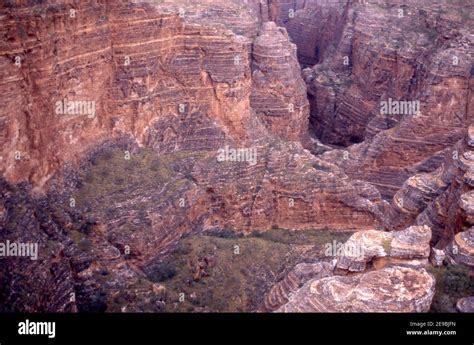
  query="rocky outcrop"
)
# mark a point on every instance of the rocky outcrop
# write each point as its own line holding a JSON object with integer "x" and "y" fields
{"x": 377, "y": 272}
{"x": 380, "y": 248}
{"x": 461, "y": 249}
{"x": 287, "y": 187}
{"x": 465, "y": 305}
{"x": 391, "y": 289}
{"x": 441, "y": 199}
{"x": 279, "y": 93}
{"x": 295, "y": 279}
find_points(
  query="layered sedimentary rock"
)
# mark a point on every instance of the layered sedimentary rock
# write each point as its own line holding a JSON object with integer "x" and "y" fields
{"x": 377, "y": 271}
{"x": 281, "y": 11}
{"x": 218, "y": 98}
{"x": 285, "y": 187}
{"x": 461, "y": 249}
{"x": 176, "y": 84}
{"x": 441, "y": 199}
{"x": 315, "y": 27}
{"x": 407, "y": 63}
{"x": 279, "y": 93}
{"x": 158, "y": 67}
{"x": 242, "y": 17}
{"x": 391, "y": 289}
{"x": 189, "y": 90}
{"x": 39, "y": 67}
{"x": 295, "y": 279}
{"x": 363, "y": 247}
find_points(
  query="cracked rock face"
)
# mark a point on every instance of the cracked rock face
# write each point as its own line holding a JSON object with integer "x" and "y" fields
{"x": 391, "y": 289}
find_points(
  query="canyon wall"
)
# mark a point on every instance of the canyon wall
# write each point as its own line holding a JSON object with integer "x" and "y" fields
{"x": 167, "y": 80}
{"x": 109, "y": 186}
{"x": 420, "y": 52}
{"x": 135, "y": 63}
{"x": 171, "y": 86}
{"x": 441, "y": 199}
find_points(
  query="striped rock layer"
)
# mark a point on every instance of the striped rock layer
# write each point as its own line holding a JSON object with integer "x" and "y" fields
{"x": 391, "y": 289}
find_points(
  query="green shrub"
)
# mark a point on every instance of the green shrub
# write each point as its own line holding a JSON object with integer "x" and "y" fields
{"x": 161, "y": 271}
{"x": 155, "y": 165}
{"x": 85, "y": 245}
{"x": 223, "y": 233}
{"x": 452, "y": 283}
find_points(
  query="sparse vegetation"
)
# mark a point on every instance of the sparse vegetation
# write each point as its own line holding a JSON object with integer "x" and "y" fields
{"x": 452, "y": 283}
{"x": 161, "y": 272}
{"x": 236, "y": 282}
{"x": 387, "y": 245}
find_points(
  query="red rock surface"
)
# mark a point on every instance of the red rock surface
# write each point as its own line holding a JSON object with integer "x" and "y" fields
{"x": 176, "y": 81}
{"x": 441, "y": 199}
{"x": 295, "y": 279}
{"x": 370, "y": 292}
{"x": 176, "y": 84}
{"x": 402, "y": 58}
{"x": 279, "y": 93}
{"x": 377, "y": 272}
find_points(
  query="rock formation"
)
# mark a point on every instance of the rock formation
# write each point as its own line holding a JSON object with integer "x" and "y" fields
{"x": 295, "y": 279}
{"x": 279, "y": 93}
{"x": 314, "y": 27}
{"x": 439, "y": 199}
{"x": 373, "y": 64}
{"x": 371, "y": 246}
{"x": 461, "y": 249}
{"x": 391, "y": 289}
{"x": 286, "y": 188}
{"x": 84, "y": 79}
{"x": 126, "y": 126}
{"x": 395, "y": 282}
{"x": 133, "y": 78}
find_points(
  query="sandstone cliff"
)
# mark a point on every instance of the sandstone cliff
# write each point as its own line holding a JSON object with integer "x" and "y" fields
{"x": 420, "y": 52}
{"x": 439, "y": 199}
{"x": 191, "y": 116}
{"x": 138, "y": 166}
